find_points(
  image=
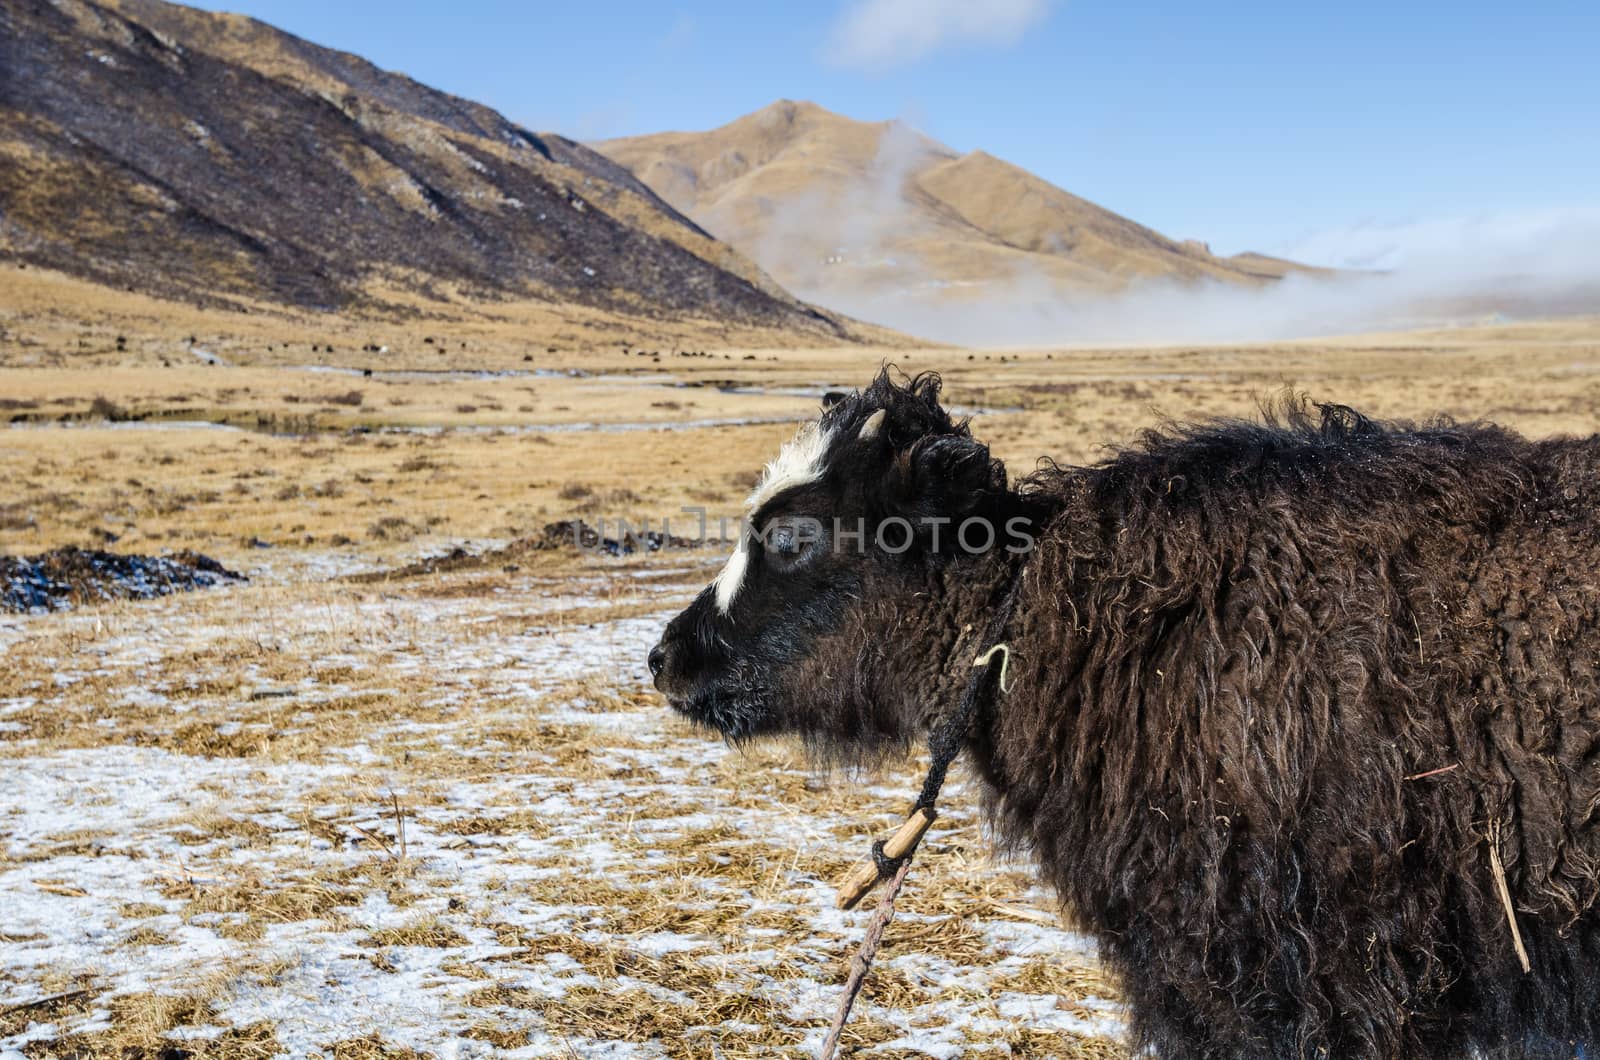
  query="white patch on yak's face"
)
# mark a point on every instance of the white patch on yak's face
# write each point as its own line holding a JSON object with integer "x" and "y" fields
{"x": 799, "y": 462}
{"x": 731, "y": 576}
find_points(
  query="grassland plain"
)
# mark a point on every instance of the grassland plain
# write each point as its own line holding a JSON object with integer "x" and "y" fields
{"x": 444, "y": 814}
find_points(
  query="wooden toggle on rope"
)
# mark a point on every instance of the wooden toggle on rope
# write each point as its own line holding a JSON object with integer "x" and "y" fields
{"x": 891, "y": 859}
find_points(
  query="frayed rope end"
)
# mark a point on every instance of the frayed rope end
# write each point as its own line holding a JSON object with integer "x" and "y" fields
{"x": 1005, "y": 663}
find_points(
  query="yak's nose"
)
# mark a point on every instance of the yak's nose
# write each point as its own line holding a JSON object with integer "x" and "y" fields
{"x": 657, "y": 661}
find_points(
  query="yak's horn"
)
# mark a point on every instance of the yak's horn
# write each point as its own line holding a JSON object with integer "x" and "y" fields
{"x": 873, "y": 425}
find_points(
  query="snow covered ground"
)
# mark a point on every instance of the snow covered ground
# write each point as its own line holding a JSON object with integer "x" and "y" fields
{"x": 447, "y": 816}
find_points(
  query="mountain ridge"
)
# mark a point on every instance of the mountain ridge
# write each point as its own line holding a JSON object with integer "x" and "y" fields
{"x": 776, "y": 183}
{"x": 215, "y": 159}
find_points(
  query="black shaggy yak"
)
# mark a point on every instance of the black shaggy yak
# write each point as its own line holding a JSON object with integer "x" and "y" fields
{"x": 1287, "y": 701}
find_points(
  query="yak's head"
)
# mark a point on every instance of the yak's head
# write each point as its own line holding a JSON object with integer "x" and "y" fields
{"x": 839, "y": 605}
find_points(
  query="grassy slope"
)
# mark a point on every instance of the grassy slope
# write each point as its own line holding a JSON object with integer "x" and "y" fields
{"x": 773, "y": 183}
{"x": 214, "y": 159}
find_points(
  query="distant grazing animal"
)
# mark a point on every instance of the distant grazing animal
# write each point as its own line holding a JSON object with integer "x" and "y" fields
{"x": 1287, "y": 702}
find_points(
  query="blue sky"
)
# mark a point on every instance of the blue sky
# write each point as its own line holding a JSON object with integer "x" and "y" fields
{"x": 1320, "y": 129}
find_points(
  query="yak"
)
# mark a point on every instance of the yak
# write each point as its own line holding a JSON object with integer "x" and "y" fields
{"x": 1303, "y": 713}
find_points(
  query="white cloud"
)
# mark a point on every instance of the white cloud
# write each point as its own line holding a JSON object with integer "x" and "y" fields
{"x": 682, "y": 33}
{"x": 875, "y": 34}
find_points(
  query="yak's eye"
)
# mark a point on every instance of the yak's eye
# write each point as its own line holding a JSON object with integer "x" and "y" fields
{"x": 788, "y": 541}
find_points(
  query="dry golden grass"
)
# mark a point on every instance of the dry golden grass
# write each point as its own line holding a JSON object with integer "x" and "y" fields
{"x": 384, "y": 494}
{"x": 140, "y": 1025}
{"x": 52, "y": 318}
{"x": 726, "y": 856}
{"x": 457, "y": 787}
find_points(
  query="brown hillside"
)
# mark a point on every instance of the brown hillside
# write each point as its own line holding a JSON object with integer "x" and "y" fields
{"x": 825, "y": 202}
{"x": 215, "y": 159}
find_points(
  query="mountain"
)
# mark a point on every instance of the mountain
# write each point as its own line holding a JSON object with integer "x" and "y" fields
{"x": 214, "y": 159}
{"x": 826, "y": 203}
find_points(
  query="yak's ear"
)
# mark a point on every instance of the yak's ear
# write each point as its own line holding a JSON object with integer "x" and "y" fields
{"x": 943, "y": 474}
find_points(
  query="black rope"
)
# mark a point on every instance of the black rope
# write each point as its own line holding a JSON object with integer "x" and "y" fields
{"x": 949, "y": 736}
{"x": 887, "y": 866}
{"x": 944, "y": 742}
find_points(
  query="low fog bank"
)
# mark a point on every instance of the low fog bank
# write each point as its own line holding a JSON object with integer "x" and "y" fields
{"x": 1031, "y": 312}
{"x": 873, "y": 243}
{"x": 1431, "y": 273}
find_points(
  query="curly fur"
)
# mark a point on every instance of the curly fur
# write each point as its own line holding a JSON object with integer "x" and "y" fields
{"x": 1237, "y": 646}
{"x": 1238, "y": 643}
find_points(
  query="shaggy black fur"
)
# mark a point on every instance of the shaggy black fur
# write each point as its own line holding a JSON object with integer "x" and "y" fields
{"x": 1237, "y": 646}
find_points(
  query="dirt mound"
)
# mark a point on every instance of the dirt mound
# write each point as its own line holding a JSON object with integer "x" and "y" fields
{"x": 66, "y": 577}
{"x": 574, "y": 534}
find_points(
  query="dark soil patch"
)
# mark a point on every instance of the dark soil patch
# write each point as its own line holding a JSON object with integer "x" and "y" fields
{"x": 66, "y": 577}
{"x": 573, "y": 534}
